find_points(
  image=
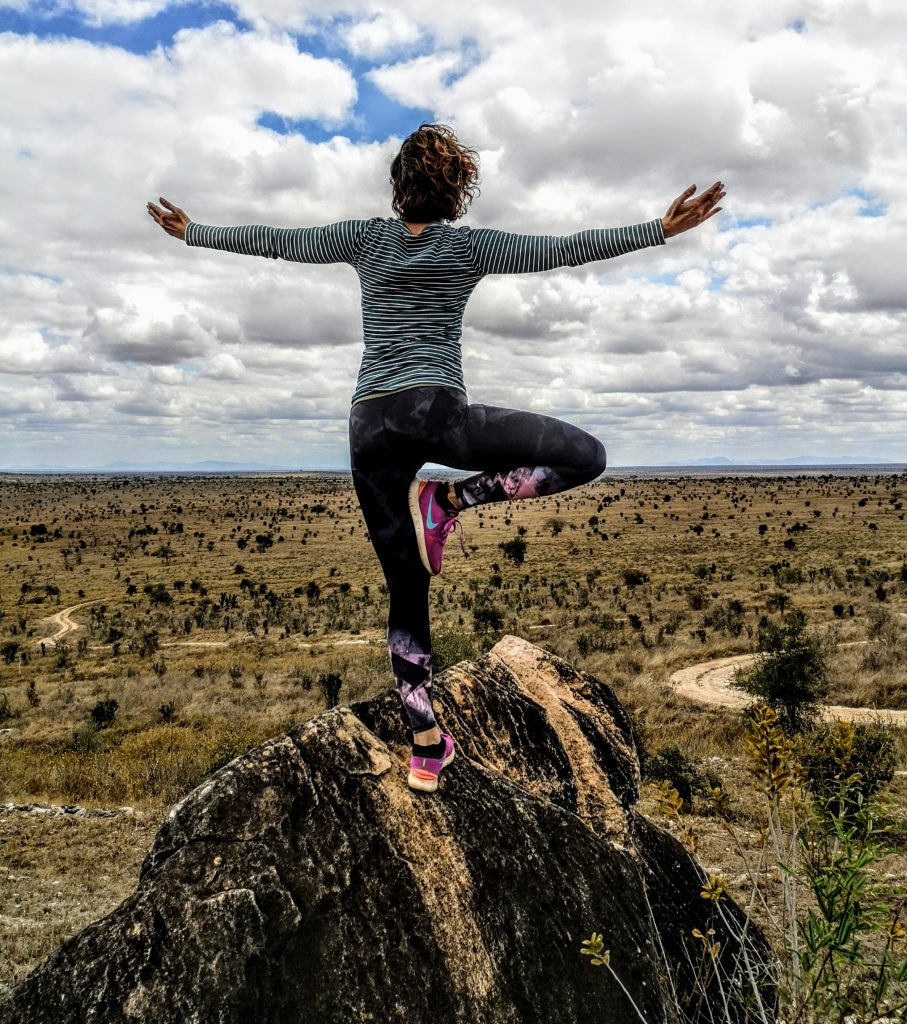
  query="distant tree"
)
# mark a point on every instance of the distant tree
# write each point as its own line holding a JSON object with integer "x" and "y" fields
{"x": 487, "y": 618}
{"x": 635, "y": 578}
{"x": 514, "y": 550}
{"x": 158, "y": 593}
{"x": 104, "y": 712}
{"x": 330, "y": 684}
{"x": 789, "y": 674}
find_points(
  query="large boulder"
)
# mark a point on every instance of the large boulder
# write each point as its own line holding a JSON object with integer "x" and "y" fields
{"x": 305, "y": 882}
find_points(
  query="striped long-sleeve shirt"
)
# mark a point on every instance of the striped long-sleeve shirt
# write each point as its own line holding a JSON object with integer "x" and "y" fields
{"x": 415, "y": 287}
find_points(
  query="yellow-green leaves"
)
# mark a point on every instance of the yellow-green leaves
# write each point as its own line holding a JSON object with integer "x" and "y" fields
{"x": 595, "y": 947}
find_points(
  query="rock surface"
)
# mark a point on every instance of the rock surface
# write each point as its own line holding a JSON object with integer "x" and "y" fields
{"x": 304, "y": 882}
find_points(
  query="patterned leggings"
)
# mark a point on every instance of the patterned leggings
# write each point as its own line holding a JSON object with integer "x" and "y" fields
{"x": 520, "y": 455}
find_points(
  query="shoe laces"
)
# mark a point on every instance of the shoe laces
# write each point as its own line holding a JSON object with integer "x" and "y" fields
{"x": 454, "y": 521}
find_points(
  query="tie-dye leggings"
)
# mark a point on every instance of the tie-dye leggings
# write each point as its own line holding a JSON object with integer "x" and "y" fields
{"x": 519, "y": 454}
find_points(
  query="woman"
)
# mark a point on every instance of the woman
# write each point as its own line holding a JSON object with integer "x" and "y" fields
{"x": 410, "y": 406}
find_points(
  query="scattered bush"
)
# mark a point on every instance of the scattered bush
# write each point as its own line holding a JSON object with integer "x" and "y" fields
{"x": 514, "y": 550}
{"x": 104, "y": 712}
{"x": 449, "y": 646}
{"x": 330, "y": 683}
{"x": 790, "y": 673}
{"x": 670, "y": 764}
{"x": 845, "y": 765}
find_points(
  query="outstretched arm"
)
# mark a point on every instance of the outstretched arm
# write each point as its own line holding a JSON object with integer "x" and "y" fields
{"x": 500, "y": 252}
{"x": 334, "y": 243}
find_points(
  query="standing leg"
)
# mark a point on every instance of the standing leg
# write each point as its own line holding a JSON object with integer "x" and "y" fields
{"x": 384, "y": 497}
{"x": 383, "y": 469}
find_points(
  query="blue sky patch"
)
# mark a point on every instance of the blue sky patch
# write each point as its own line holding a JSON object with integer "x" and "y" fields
{"x": 732, "y": 224}
{"x": 873, "y": 206}
{"x": 140, "y": 37}
{"x": 374, "y": 117}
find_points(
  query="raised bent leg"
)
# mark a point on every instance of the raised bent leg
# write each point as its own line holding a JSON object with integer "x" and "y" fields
{"x": 524, "y": 455}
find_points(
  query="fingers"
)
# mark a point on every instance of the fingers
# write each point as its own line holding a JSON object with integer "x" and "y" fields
{"x": 681, "y": 199}
{"x": 171, "y": 207}
{"x": 170, "y": 222}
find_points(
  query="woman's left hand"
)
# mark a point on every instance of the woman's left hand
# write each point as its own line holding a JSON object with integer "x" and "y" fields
{"x": 174, "y": 222}
{"x": 685, "y": 212}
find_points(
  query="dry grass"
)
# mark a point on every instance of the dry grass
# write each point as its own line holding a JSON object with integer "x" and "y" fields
{"x": 58, "y": 874}
{"x": 189, "y": 607}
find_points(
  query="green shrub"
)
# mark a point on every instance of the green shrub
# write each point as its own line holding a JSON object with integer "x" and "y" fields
{"x": 790, "y": 674}
{"x": 515, "y": 550}
{"x": 449, "y": 646}
{"x": 845, "y": 765}
{"x": 330, "y": 684}
{"x": 670, "y": 764}
{"x": 103, "y": 713}
{"x": 487, "y": 618}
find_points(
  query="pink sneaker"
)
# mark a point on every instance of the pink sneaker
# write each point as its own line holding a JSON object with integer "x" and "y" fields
{"x": 433, "y": 524}
{"x": 424, "y": 771}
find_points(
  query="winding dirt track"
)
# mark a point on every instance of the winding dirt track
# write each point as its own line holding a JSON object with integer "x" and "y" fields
{"x": 709, "y": 683}
{"x": 64, "y": 624}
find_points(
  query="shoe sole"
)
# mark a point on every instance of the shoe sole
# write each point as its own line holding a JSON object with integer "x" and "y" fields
{"x": 416, "y": 514}
{"x": 428, "y": 785}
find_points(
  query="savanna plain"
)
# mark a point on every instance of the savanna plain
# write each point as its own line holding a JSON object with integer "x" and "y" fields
{"x": 154, "y": 627}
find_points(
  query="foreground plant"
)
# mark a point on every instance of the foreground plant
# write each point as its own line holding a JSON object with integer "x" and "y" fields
{"x": 839, "y": 938}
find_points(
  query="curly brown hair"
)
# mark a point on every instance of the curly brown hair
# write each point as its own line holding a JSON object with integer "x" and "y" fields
{"x": 434, "y": 177}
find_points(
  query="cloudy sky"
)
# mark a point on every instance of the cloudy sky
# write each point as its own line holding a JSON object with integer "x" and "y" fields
{"x": 777, "y": 329}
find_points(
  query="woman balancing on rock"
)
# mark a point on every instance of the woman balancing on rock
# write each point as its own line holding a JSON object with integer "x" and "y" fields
{"x": 410, "y": 407}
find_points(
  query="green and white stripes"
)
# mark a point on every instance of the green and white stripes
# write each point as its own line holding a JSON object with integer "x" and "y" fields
{"x": 415, "y": 287}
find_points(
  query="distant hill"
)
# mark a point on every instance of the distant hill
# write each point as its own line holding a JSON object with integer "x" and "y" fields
{"x": 209, "y": 466}
{"x": 797, "y": 460}
{"x": 221, "y": 466}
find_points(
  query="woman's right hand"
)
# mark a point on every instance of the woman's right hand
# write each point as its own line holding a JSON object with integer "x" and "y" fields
{"x": 685, "y": 213}
{"x": 174, "y": 222}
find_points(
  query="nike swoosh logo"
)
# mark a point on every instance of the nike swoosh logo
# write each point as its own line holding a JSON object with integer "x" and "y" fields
{"x": 428, "y": 520}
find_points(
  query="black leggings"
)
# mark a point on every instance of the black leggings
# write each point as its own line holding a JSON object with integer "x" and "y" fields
{"x": 520, "y": 455}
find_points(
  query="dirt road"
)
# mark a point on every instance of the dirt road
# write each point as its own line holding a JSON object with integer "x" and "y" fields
{"x": 709, "y": 683}
{"x": 63, "y": 622}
